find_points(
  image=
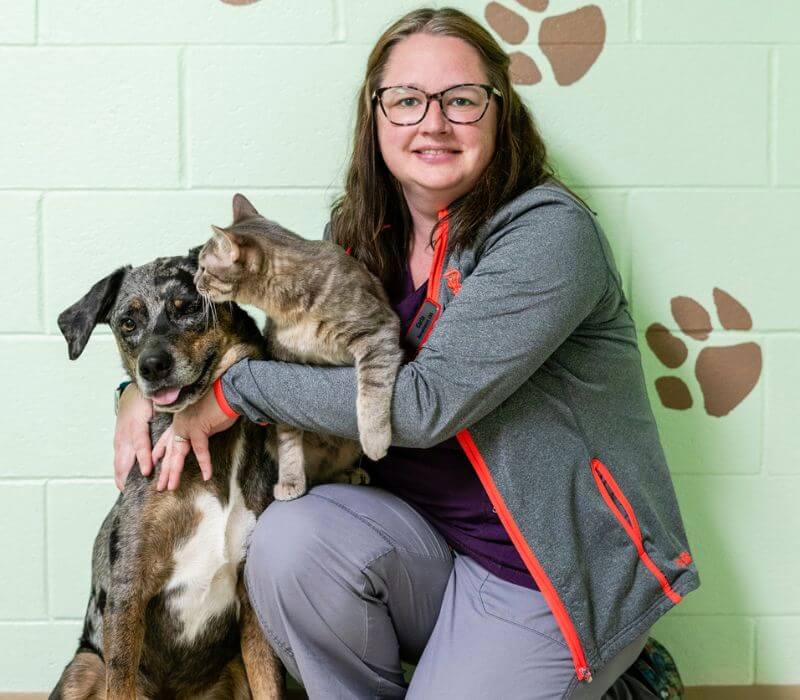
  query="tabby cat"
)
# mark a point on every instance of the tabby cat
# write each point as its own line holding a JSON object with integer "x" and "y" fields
{"x": 323, "y": 307}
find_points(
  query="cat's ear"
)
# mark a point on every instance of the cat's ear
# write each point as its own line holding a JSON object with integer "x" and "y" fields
{"x": 228, "y": 242}
{"x": 242, "y": 209}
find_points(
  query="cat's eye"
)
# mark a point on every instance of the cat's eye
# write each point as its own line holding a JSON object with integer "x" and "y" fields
{"x": 128, "y": 325}
{"x": 179, "y": 303}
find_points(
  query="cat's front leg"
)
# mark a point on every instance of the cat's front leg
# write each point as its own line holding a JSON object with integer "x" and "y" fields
{"x": 291, "y": 464}
{"x": 377, "y": 361}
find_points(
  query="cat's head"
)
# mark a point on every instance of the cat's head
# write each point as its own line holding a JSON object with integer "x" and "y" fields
{"x": 230, "y": 255}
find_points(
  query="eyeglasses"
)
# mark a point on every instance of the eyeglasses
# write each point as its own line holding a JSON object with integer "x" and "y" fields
{"x": 461, "y": 104}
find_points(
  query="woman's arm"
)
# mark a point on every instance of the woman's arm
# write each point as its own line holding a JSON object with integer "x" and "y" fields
{"x": 132, "y": 434}
{"x": 536, "y": 281}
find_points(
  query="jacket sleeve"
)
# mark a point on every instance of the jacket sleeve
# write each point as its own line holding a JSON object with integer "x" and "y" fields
{"x": 537, "y": 279}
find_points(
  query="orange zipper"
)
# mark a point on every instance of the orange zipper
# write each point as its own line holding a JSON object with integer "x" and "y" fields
{"x": 464, "y": 438}
{"x": 546, "y": 587}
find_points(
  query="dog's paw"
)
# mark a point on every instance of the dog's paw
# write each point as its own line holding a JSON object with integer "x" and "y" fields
{"x": 356, "y": 476}
{"x": 376, "y": 443}
{"x": 288, "y": 490}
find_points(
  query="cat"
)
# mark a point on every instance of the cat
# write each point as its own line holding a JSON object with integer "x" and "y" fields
{"x": 323, "y": 307}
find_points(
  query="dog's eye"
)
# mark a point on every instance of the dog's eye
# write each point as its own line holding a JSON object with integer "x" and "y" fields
{"x": 128, "y": 325}
{"x": 185, "y": 306}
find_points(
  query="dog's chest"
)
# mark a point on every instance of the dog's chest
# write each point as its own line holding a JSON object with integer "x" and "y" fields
{"x": 203, "y": 583}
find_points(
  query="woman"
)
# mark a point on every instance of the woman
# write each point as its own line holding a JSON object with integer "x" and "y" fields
{"x": 526, "y": 535}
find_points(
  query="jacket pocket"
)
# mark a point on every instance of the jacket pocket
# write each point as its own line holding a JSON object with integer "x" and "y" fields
{"x": 623, "y": 511}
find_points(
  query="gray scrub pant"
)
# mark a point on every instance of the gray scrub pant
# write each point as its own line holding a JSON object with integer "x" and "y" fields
{"x": 348, "y": 580}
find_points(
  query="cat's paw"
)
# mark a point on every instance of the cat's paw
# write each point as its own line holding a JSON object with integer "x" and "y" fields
{"x": 375, "y": 443}
{"x": 288, "y": 490}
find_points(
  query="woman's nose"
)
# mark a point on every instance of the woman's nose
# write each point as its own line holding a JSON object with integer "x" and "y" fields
{"x": 434, "y": 120}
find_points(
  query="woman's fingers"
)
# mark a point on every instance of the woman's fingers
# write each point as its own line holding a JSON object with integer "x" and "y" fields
{"x": 123, "y": 461}
{"x": 143, "y": 454}
{"x": 179, "y": 451}
{"x": 172, "y": 465}
{"x": 132, "y": 435}
{"x": 200, "y": 447}
{"x": 161, "y": 445}
{"x": 163, "y": 474}
{"x": 175, "y": 471}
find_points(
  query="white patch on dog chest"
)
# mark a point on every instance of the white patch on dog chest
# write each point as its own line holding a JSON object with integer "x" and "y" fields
{"x": 207, "y": 564}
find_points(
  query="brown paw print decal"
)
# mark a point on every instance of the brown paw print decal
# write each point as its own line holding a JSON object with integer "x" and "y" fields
{"x": 571, "y": 42}
{"x": 726, "y": 375}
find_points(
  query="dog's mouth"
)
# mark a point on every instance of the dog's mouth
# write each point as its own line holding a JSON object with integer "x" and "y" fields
{"x": 175, "y": 395}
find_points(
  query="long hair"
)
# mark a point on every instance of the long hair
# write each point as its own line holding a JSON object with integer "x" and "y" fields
{"x": 372, "y": 217}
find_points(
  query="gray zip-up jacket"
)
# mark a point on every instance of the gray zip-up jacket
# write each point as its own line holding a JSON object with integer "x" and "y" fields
{"x": 530, "y": 358}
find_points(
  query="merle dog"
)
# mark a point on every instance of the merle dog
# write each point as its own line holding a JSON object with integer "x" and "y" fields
{"x": 168, "y": 616}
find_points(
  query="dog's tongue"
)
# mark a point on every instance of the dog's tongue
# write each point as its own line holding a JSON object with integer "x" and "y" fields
{"x": 166, "y": 396}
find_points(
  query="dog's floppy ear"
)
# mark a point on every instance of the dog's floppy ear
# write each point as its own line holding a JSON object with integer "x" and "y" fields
{"x": 78, "y": 321}
{"x": 242, "y": 209}
{"x": 194, "y": 253}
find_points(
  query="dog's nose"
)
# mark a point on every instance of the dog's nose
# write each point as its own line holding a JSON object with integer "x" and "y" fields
{"x": 155, "y": 365}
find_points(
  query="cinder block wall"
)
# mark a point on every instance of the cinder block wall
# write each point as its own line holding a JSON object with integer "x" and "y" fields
{"x": 126, "y": 126}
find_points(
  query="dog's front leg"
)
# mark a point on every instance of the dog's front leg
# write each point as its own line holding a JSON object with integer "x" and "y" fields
{"x": 137, "y": 574}
{"x": 265, "y": 671}
{"x": 123, "y": 635}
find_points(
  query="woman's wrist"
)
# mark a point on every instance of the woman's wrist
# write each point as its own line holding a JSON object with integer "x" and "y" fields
{"x": 118, "y": 392}
{"x": 222, "y": 401}
{"x": 225, "y": 380}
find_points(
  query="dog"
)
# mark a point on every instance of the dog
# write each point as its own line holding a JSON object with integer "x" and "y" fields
{"x": 168, "y": 616}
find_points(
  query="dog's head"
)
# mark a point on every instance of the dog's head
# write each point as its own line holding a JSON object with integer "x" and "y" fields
{"x": 173, "y": 343}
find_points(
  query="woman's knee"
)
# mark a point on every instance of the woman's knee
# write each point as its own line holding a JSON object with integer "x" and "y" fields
{"x": 282, "y": 540}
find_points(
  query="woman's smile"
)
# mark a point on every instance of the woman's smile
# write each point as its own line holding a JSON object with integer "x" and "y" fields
{"x": 436, "y": 156}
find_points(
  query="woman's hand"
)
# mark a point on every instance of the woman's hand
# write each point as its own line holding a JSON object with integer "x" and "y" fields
{"x": 132, "y": 435}
{"x": 190, "y": 430}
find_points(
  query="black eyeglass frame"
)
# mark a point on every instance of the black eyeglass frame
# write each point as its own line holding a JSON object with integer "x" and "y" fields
{"x": 490, "y": 90}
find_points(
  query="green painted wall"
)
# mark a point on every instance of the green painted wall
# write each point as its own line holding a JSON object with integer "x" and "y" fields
{"x": 126, "y": 127}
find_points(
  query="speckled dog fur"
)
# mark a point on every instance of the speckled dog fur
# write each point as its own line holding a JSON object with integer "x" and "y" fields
{"x": 168, "y": 616}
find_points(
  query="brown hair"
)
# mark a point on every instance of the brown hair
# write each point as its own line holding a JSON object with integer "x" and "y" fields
{"x": 373, "y": 198}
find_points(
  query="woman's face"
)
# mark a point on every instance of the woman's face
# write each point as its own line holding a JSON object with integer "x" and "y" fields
{"x": 436, "y": 160}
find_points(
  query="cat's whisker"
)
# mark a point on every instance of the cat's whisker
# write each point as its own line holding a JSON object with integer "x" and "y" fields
{"x": 213, "y": 308}
{"x": 209, "y": 310}
{"x": 205, "y": 307}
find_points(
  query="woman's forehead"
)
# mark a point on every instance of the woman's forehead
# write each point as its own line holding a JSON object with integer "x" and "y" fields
{"x": 433, "y": 63}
